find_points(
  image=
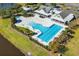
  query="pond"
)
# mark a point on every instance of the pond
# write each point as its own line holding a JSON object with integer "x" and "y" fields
{"x": 7, "y": 49}
{"x": 6, "y": 5}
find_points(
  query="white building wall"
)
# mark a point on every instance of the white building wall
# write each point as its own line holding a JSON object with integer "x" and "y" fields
{"x": 69, "y": 18}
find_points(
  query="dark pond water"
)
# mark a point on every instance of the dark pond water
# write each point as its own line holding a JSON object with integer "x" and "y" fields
{"x": 7, "y": 49}
{"x": 6, "y": 5}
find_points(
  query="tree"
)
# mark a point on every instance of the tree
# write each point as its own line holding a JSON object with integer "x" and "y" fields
{"x": 62, "y": 49}
{"x": 53, "y": 45}
{"x": 53, "y": 4}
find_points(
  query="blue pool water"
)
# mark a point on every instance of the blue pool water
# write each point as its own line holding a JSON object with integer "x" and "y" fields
{"x": 18, "y": 19}
{"x": 47, "y": 32}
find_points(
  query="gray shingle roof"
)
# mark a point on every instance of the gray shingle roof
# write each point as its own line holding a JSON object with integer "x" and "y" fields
{"x": 72, "y": 5}
{"x": 65, "y": 13}
{"x": 47, "y": 9}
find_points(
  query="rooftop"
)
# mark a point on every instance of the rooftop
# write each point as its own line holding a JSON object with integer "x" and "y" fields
{"x": 65, "y": 13}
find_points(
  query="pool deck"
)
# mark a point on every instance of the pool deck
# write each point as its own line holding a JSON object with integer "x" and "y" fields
{"x": 43, "y": 21}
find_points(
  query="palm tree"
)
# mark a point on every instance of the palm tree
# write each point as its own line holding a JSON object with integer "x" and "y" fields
{"x": 53, "y": 45}
{"x": 62, "y": 49}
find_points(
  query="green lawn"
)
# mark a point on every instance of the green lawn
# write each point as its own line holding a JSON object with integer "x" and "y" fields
{"x": 19, "y": 40}
{"x": 73, "y": 45}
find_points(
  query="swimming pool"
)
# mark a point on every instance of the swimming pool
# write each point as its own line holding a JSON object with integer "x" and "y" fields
{"x": 18, "y": 19}
{"x": 47, "y": 33}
